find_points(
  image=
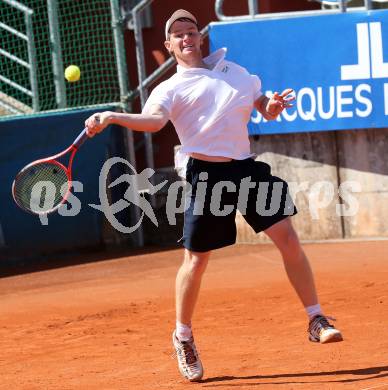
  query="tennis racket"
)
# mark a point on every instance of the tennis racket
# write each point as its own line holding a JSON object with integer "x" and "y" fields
{"x": 42, "y": 186}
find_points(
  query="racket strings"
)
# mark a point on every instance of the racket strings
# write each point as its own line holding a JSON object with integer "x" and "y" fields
{"x": 41, "y": 187}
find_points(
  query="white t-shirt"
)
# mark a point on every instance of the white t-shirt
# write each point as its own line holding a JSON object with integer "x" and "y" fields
{"x": 209, "y": 109}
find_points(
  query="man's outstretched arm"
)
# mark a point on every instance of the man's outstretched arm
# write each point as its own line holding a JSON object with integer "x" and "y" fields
{"x": 150, "y": 121}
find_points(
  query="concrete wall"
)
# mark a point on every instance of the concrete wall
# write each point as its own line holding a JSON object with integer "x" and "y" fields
{"x": 319, "y": 163}
{"x": 363, "y": 159}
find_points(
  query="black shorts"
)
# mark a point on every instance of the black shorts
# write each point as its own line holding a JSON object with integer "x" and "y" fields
{"x": 217, "y": 189}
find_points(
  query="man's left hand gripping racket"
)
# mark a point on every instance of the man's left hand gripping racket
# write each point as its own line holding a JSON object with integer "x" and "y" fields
{"x": 42, "y": 186}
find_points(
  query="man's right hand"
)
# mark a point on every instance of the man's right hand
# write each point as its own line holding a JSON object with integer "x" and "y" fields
{"x": 97, "y": 122}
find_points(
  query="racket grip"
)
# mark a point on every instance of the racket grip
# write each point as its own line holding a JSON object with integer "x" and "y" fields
{"x": 80, "y": 139}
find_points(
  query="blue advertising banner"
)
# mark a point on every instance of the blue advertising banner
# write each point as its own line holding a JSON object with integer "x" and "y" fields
{"x": 337, "y": 65}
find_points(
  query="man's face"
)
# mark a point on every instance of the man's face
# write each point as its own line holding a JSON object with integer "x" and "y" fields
{"x": 185, "y": 40}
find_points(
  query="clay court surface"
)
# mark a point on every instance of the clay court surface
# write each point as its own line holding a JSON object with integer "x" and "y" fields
{"x": 108, "y": 324}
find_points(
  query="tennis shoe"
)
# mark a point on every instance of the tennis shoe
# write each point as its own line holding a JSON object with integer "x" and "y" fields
{"x": 321, "y": 331}
{"x": 189, "y": 364}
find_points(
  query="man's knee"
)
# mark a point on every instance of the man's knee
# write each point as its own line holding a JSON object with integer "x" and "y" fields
{"x": 284, "y": 236}
{"x": 290, "y": 236}
{"x": 196, "y": 262}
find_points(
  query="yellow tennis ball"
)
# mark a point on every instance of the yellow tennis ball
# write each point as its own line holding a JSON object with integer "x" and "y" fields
{"x": 72, "y": 73}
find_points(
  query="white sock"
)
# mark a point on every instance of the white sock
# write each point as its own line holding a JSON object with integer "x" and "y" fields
{"x": 183, "y": 332}
{"x": 313, "y": 310}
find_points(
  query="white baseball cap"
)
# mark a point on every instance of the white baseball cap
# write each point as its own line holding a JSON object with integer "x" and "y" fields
{"x": 180, "y": 13}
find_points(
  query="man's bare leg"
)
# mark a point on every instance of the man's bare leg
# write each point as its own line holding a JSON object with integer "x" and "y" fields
{"x": 188, "y": 283}
{"x": 301, "y": 277}
{"x": 295, "y": 261}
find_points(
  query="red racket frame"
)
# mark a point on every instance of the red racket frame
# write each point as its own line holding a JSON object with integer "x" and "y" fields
{"x": 73, "y": 148}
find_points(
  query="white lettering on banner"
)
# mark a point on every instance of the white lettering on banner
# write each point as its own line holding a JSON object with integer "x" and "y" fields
{"x": 386, "y": 99}
{"x": 361, "y": 70}
{"x": 309, "y": 114}
{"x": 347, "y": 100}
{"x": 379, "y": 67}
{"x": 370, "y": 54}
{"x": 363, "y": 100}
{"x": 343, "y": 101}
{"x": 329, "y": 114}
{"x": 288, "y": 116}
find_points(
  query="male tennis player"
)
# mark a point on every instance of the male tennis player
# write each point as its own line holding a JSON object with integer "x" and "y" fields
{"x": 209, "y": 101}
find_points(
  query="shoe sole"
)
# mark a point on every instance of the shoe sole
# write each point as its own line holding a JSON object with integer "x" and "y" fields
{"x": 329, "y": 338}
{"x": 332, "y": 338}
